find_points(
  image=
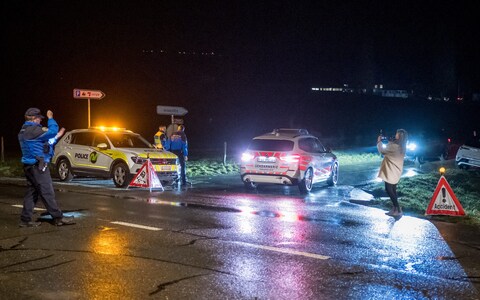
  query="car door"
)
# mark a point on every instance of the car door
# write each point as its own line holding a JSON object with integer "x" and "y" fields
{"x": 315, "y": 156}
{"x": 324, "y": 162}
{"x": 100, "y": 159}
{"x": 81, "y": 145}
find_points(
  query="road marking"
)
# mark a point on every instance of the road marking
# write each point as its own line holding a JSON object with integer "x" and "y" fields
{"x": 136, "y": 225}
{"x": 285, "y": 250}
{"x": 35, "y": 208}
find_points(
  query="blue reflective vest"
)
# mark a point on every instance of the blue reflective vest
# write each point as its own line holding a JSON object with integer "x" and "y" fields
{"x": 34, "y": 141}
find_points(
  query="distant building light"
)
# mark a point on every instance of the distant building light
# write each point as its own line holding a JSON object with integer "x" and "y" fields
{"x": 329, "y": 89}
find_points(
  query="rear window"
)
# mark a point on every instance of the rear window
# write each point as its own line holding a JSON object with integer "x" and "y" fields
{"x": 271, "y": 145}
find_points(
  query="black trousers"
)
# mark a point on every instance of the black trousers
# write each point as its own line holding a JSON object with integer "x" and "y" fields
{"x": 391, "y": 190}
{"x": 39, "y": 185}
{"x": 181, "y": 158}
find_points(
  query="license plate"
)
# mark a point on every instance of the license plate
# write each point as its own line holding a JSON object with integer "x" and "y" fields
{"x": 162, "y": 168}
{"x": 267, "y": 159}
{"x": 266, "y": 167}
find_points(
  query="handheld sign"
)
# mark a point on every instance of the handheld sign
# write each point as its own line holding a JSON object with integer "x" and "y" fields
{"x": 444, "y": 201}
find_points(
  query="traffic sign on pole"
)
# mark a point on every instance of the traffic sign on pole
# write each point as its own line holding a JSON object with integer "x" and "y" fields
{"x": 171, "y": 110}
{"x": 88, "y": 94}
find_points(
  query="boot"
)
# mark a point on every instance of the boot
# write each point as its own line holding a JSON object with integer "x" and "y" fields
{"x": 390, "y": 212}
{"x": 397, "y": 213}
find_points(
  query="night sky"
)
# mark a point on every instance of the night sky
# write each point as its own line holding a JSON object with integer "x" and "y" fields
{"x": 240, "y": 68}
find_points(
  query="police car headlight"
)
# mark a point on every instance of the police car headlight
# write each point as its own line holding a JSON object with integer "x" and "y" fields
{"x": 138, "y": 160}
{"x": 411, "y": 146}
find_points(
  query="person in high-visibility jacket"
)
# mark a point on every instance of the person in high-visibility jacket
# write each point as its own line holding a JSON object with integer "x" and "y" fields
{"x": 160, "y": 138}
{"x": 179, "y": 146}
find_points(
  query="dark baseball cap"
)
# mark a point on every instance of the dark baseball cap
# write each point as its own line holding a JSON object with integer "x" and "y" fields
{"x": 34, "y": 112}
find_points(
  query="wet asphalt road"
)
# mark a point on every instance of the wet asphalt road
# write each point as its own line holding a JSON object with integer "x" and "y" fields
{"x": 216, "y": 241}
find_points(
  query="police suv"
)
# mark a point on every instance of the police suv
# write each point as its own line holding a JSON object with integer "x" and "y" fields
{"x": 110, "y": 153}
{"x": 288, "y": 157}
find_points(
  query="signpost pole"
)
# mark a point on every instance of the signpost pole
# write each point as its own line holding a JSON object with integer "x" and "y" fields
{"x": 88, "y": 113}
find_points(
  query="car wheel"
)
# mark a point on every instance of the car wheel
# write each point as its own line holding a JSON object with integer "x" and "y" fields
{"x": 333, "y": 179}
{"x": 121, "y": 175}
{"x": 250, "y": 185}
{"x": 64, "y": 170}
{"x": 306, "y": 184}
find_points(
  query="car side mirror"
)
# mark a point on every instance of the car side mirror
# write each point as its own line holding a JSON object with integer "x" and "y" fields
{"x": 328, "y": 149}
{"x": 102, "y": 146}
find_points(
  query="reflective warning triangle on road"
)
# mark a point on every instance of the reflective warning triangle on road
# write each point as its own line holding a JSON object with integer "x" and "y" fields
{"x": 146, "y": 177}
{"x": 444, "y": 201}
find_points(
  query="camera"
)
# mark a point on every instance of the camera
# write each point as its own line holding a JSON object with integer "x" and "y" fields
{"x": 384, "y": 138}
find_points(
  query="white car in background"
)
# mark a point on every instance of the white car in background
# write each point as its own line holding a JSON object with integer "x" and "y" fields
{"x": 288, "y": 157}
{"x": 468, "y": 155}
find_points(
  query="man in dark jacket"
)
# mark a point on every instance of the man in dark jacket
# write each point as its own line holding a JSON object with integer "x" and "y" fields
{"x": 36, "y": 154}
{"x": 179, "y": 146}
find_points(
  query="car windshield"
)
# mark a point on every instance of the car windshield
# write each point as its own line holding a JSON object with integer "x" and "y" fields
{"x": 271, "y": 145}
{"x": 128, "y": 140}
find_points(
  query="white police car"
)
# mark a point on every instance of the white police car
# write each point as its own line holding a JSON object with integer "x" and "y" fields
{"x": 468, "y": 155}
{"x": 288, "y": 157}
{"x": 110, "y": 153}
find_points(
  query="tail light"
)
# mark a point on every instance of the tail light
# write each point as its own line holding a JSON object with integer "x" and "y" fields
{"x": 291, "y": 158}
{"x": 247, "y": 156}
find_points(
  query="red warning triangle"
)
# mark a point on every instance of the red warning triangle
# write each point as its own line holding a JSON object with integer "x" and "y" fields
{"x": 444, "y": 201}
{"x": 146, "y": 177}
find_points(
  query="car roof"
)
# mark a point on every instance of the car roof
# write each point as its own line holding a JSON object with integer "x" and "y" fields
{"x": 284, "y": 133}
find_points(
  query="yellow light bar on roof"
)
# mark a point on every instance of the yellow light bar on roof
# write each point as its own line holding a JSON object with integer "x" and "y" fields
{"x": 105, "y": 128}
